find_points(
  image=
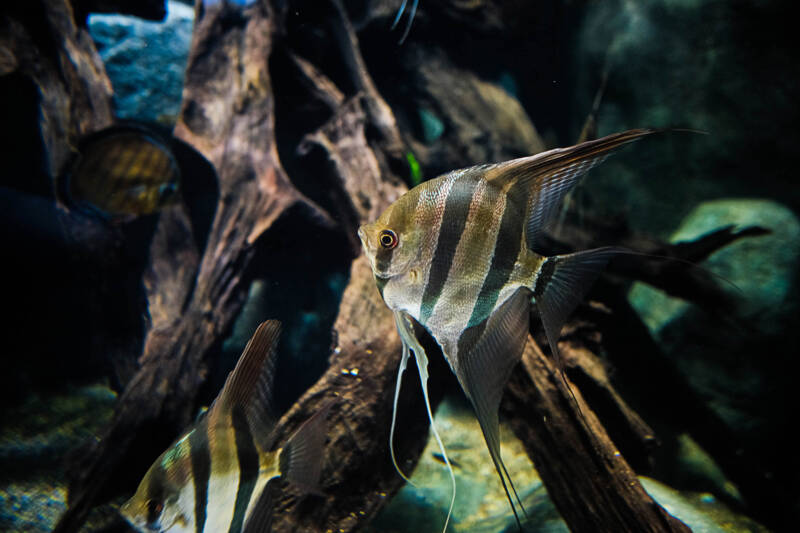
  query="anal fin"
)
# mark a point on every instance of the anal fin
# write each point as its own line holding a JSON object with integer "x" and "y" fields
{"x": 487, "y": 354}
{"x": 260, "y": 520}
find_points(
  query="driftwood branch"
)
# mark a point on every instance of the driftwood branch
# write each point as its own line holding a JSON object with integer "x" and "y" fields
{"x": 42, "y": 45}
{"x": 672, "y": 268}
{"x": 585, "y": 474}
{"x": 359, "y": 478}
{"x": 227, "y": 116}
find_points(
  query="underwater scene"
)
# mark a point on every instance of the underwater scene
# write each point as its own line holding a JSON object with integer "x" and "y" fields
{"x": 392, "y": 266}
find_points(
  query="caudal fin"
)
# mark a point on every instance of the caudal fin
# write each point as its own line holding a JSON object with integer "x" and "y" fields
{"x": 561, "y": 284}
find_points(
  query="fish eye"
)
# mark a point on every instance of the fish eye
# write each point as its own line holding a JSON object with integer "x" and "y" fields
{"x": 154, "y": 508}
{"x": 387, "y": 238}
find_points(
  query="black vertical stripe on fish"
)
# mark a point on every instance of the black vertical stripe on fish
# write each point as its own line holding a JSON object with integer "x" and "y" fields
{"x": 247, "y": 454}
{"x": 543, "y": 277}
{"x": 381, "y": 284}
{"x": 506, "y": 250}
{"x": 155, "y": 491}
{"x": 454, "y": 220}
{"x": 383, "y": 258}
{"x": 201, "y": 472}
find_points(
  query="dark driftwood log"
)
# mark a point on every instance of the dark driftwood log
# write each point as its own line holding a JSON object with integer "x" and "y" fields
{"x": 358, "y": 477}
{"x": 639, "y": 362}
{"x": 672, "y": 266}
{"x": 228, "y": 117}
{"x": 41, "y": 44}
{"x": 585, "y": 474}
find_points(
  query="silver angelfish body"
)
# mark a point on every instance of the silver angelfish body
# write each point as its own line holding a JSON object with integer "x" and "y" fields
{"x": 457, "y": 255}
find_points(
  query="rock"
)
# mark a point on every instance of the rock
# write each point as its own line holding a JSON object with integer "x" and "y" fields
{"x": 481, "y": 505}
{"x": 701, "y": 512}
{"x": 762, "y": 269}
{"x": 739, "y": 362}
{"x": 35, "y": 437}
{"x": 145, "y": 61}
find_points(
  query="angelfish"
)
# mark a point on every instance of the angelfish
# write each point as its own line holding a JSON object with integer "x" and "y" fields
{"x": 457, "y": 255}
{"x": 121, "y": 172}
{"x": 214, "y": 478}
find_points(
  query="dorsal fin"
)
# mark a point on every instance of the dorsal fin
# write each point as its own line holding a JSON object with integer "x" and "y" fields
{"x": 544, "y": 179}
{"x": 249, "y": 385}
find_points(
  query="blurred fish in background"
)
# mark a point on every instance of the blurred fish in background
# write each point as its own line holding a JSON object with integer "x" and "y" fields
{"x": 121, "y": 172}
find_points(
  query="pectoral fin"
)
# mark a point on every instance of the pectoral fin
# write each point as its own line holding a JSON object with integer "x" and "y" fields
{"x": 487, "y": 354}
{"x": 301, "y": 459}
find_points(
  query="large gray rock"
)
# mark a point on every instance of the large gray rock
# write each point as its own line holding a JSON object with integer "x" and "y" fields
{"x": 481, "y": 505}
{"x": 740, "y": 361}
{"x": 145, "y": 61}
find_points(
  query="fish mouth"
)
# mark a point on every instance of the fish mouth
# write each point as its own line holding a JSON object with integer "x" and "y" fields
{"x": 362, "y": 235}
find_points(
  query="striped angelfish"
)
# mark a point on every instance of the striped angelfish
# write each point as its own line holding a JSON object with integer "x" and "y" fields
{"x": 214, "y": 478}
{"x": 457, "y": 255}
{"x": 121, "y": 172}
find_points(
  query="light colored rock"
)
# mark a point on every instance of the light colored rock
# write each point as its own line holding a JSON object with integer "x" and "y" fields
{"x": 761, "y": 268}
{"x": 145, "y": 61}
{"x": 736, "y": 359}
{"x": 701, "y": 512}
{"x": 481, "y": 505}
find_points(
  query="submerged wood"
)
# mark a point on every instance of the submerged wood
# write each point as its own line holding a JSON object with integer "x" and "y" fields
{"x": 585, "y": 475}
{"x": 227, "y": 116}
{"x": 42, "y": 44}
{"x": 358, "y": 478}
